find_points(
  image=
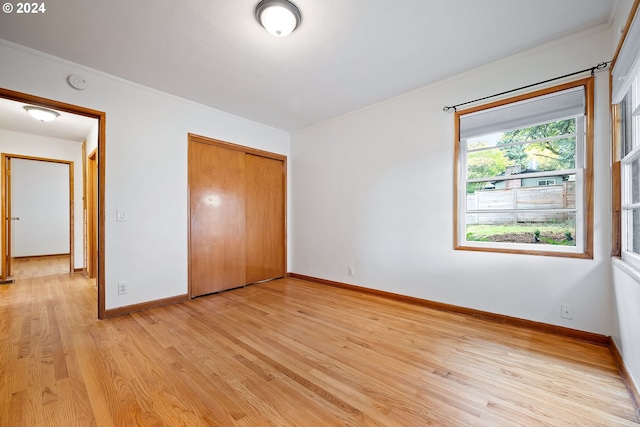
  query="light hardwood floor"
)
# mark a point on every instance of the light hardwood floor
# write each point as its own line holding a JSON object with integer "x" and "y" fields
{"x": 39, "y": 266}
{"x": 288, "y": 353}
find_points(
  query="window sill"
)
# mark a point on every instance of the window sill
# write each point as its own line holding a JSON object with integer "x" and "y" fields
{"x": 541, "y": 250}
{"x": 627, "y": 267}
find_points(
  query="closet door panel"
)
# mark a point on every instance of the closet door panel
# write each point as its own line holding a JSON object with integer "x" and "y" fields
{"x": 265, "y": 218}
{"x": 217, "y": 218}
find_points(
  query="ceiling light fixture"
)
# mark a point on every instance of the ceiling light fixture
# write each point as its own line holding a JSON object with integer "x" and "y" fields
{"x": 279, "y": 17}
{"x": 42, "y": 114}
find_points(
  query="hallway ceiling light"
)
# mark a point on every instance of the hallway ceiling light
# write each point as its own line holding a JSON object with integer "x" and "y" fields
{"x": 279, "y": 17}
{"x": 42, "y": 114}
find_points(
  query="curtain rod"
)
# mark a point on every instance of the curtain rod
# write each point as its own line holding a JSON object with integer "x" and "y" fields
{"x": 600, "y": 66}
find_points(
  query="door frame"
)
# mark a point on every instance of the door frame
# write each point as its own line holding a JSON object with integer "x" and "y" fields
{"x": 89, "y": 198}
{"x": 102, "y": 123}
{"x": 192, "y": 139}
{"x": 5, "y": 177}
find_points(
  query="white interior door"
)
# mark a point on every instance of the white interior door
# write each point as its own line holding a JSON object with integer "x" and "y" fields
{"x": 39, "y": 208}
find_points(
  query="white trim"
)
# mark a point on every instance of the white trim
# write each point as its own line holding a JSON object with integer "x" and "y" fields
{"x": 512, "y": 211}
{"x": 524, "y": 175}
{"x": 626, "y": 178}
{"x": 627, "y": 63}
{"x": 581, "y": 228}
{"x": 632, "y": 155}
{"x": 515, "y": 144}
{"x": 632, "y": 268}
{"x": 533, "y": 247}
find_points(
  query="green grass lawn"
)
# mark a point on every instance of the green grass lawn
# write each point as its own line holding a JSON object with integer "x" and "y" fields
{"x": 555, "y": 233}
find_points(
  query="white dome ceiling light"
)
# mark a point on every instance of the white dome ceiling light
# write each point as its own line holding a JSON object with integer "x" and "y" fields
{"x": 278, "y": 17}
{"x": 42, "y": 114}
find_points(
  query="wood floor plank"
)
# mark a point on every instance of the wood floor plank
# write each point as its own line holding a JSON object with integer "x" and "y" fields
{"x": 285, "y": 353}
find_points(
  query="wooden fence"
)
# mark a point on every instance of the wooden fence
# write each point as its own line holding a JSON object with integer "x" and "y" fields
{"x": 543, "y": 197}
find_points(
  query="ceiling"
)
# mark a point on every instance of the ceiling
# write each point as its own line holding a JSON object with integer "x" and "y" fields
{"x": 345, "y": 55}
{"x": 67, "y": 126}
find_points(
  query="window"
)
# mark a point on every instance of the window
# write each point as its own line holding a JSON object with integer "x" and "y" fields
{"x": 626, "y": 138}
{"x": 523, "y": 173}
{"x": 630, "y": 145}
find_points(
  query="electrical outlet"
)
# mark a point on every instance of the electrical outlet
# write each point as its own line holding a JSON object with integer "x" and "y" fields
{"x": 351, "y": 270}
{"x": 123, "y": 288}
{"x": 566, "y": 311}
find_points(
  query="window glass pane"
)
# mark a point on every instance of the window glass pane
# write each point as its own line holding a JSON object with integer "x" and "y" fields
{"x": 553, "y": 154}
{"x": 634, "y": 235}
{"x": 635, "y": 181}
{"x": 557, "y": 192}
{"x": 485, "y": 161}
{"x": 546, "y": 130}
{"x": 554, "y": 229}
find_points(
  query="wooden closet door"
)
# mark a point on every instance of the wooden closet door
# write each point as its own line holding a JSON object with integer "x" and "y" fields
{"x": 217, "y": 218}
{"x": 265, "y": 218}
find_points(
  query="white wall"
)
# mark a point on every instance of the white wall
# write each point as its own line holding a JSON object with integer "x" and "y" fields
{"x": 374, "y": 189}
{"x": 146, "y": 166}
{"x": 40, "y": 198}
{"x": 92, "y": 139}
{"x": 52, "y": 148}
{"x": 627, "y": 322}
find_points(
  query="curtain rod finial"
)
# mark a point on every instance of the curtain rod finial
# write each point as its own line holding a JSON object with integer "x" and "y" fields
{"x": 600, "y": 66}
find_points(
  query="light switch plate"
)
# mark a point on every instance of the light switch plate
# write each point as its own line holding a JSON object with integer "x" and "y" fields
{"x": 121, "y": 215}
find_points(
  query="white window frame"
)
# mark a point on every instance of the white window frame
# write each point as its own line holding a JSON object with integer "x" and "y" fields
{"x": 583, "y": 177}
{"x": 627, "y": 174}
{"x": 625, "y": 84}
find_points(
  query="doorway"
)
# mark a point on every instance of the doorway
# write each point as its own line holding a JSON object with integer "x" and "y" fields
{"x": 37, "y": 210}
{"x": 100, "y": 116}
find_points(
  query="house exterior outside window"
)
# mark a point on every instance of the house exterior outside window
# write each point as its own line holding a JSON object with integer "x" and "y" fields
{"x": 524, "y": 173}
